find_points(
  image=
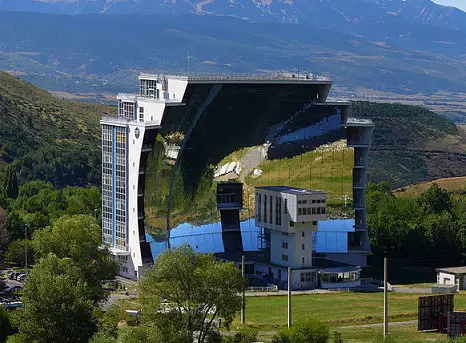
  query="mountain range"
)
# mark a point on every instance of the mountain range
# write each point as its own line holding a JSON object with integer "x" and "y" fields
{"x": 402, "y": 46}
{"x": 325, "y": 13}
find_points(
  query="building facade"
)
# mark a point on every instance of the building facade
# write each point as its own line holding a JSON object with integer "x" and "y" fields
{"x": 127, "y": 139}
{"x": 291, "y": 216}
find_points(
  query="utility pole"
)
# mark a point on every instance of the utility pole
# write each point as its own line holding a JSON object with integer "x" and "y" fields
{"x": 289, "y": 297}
{"x": 385, "y": 298}
{"x": 26, "y": 246}
{"x": 95, "y": 213}
{"x": 243, "y": 296}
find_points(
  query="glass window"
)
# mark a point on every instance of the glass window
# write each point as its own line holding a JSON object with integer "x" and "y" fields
{"x": 285, "y": 245}
{"x": 303, "y": 247}
{"x": 285, "y": 257}
{"x": 286, "y": 206}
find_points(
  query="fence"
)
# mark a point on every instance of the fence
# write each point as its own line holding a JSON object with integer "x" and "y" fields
{"x": 272, "y": 288}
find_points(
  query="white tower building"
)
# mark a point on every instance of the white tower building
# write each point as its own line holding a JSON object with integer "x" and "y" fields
{"x": 290, "y": 215}
{"x": 127, "y": 140}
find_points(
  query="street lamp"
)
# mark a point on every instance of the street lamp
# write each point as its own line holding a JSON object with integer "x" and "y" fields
{"x": 95, "y": 213}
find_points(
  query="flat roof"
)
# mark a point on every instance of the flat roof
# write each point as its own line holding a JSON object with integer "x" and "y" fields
{"x": 292, "y": 78}
{"x": 292, "y": 190}
{"x": 452, "y": 270}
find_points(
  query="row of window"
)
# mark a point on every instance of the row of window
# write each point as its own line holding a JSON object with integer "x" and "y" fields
{"x": 285, "y": 245}
{"x": 302, "y": 211}
{"x": 269, "y": 208}
{"x": 315, "y": 201}
{"x": 285, "y": 258}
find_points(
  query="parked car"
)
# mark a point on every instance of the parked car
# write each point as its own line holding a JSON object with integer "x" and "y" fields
{"x": 13, "y": 275}
{"x": 22, "y": 278}
{"x": 18, "y": 275}
{"x": 12, "y": 290}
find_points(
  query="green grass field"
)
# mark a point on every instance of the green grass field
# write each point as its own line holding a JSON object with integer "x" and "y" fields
{"x": 336, "y": 309}
{"x": 344, "y": 312}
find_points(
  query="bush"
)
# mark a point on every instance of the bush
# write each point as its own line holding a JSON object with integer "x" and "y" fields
{"x": 5, "y": 325}
{"x": 337, "y": 337}
{"x": 245, "y": 335}
{"x": 306, "y": 330}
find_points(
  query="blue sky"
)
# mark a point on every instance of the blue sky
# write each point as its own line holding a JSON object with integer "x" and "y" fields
{"x": 461, "y": 4}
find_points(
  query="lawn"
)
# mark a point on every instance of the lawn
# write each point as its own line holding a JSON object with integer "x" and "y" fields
{"x": 401, "y": 334}
{"x": 336, "y": 309}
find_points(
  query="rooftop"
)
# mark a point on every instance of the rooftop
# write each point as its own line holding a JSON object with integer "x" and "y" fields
{"x": 452, "y": 270}
{"x": 280, "y": 77}
{"x": 292, "y": 190}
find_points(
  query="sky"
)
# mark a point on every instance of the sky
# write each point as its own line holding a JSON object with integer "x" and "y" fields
{"x": 461, "y": 4}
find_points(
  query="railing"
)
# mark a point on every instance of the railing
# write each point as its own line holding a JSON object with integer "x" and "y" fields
{"x": 125, "y": 121}
{"x": 252, "y": 76}
{"x": 262, "y": 289}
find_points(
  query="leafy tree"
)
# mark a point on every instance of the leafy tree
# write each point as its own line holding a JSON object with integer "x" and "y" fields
{"x": 436, "y": 199}
{"x": 10, "y": 182}
{"x": 5, "y": 326}
{"x": 305, "y": 330}
{"x": 115, "y": 314}
{"x": 82, "y": 200}
{"x": 184, "y": 292}
{"x": 5, "y": 235}
{"x": 15, "y": 252}
{"x": 58, "y": 303}
{"x": 101, "y": 337}
{"x": 78, "y": 238}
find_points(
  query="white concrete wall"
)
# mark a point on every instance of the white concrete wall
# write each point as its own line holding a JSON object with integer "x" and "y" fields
{"x": 446, "y": 279}
{"x": 176, "y": 87}
{"x": 134, "y": 155}
{"x": 153, "y": 109}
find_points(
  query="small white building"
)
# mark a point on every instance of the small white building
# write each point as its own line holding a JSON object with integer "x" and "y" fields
{"x": 452, "y": 276}
{"x": 290, "y": 215}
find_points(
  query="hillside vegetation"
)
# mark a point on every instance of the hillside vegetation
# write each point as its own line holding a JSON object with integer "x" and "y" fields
{"x": 48, "y": 138}
{"x": 412, "y": 144}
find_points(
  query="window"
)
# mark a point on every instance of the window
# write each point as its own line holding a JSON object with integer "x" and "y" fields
{"x": 300, "y": 211}
{"x": 303, "y": 247}
{"x": 323, "y": 210}
{"x": 278, "y": 211}
{"x": 291, "y": 223}
{"x": 306, "y": 277}
{"x": 313, "y": 201}
{"x": 318, "y": 210}
{"x": 284, "y": 233}
{"x": 141, "y": 113}
{"x": 259, "y": 207}
{"x": 313, "y": 210}
{"x": 285, "y": 257}
{"x": 285, "y": 245}
{"x": 303, "y": 233}
{"x": 270, "y": 214}
{"x": 302, "y": 260}
{"x": 314, "y": 223}
{"x": 286, "y": 206}
{"x": 265, "y": 209}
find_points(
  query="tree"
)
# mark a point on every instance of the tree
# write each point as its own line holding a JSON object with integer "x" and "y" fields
{"x": 305, "y": 330}
{"x": 5, "y": 325}
{"x": 58, "y": 303}
{"x": 10, "y": 182}
{"x": 436, "y": 200}
{"x": 184, "y": 292}
{"x": 5, "y": 235}
{"x": 15, "y": 252}
{"x": 78, "y": 238}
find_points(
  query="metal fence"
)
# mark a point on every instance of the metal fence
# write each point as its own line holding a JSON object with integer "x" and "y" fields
{"x": 262, "y": 289}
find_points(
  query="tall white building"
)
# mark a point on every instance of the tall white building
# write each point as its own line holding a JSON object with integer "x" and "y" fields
{"x": 290, "y": 215}
{"x": 127, "y": 140}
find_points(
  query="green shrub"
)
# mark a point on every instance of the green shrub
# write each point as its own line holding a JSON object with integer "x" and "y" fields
{"x": 307, "y": 330}
{"x": 245, "y": 335}
{"x": 337, "y": 337}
